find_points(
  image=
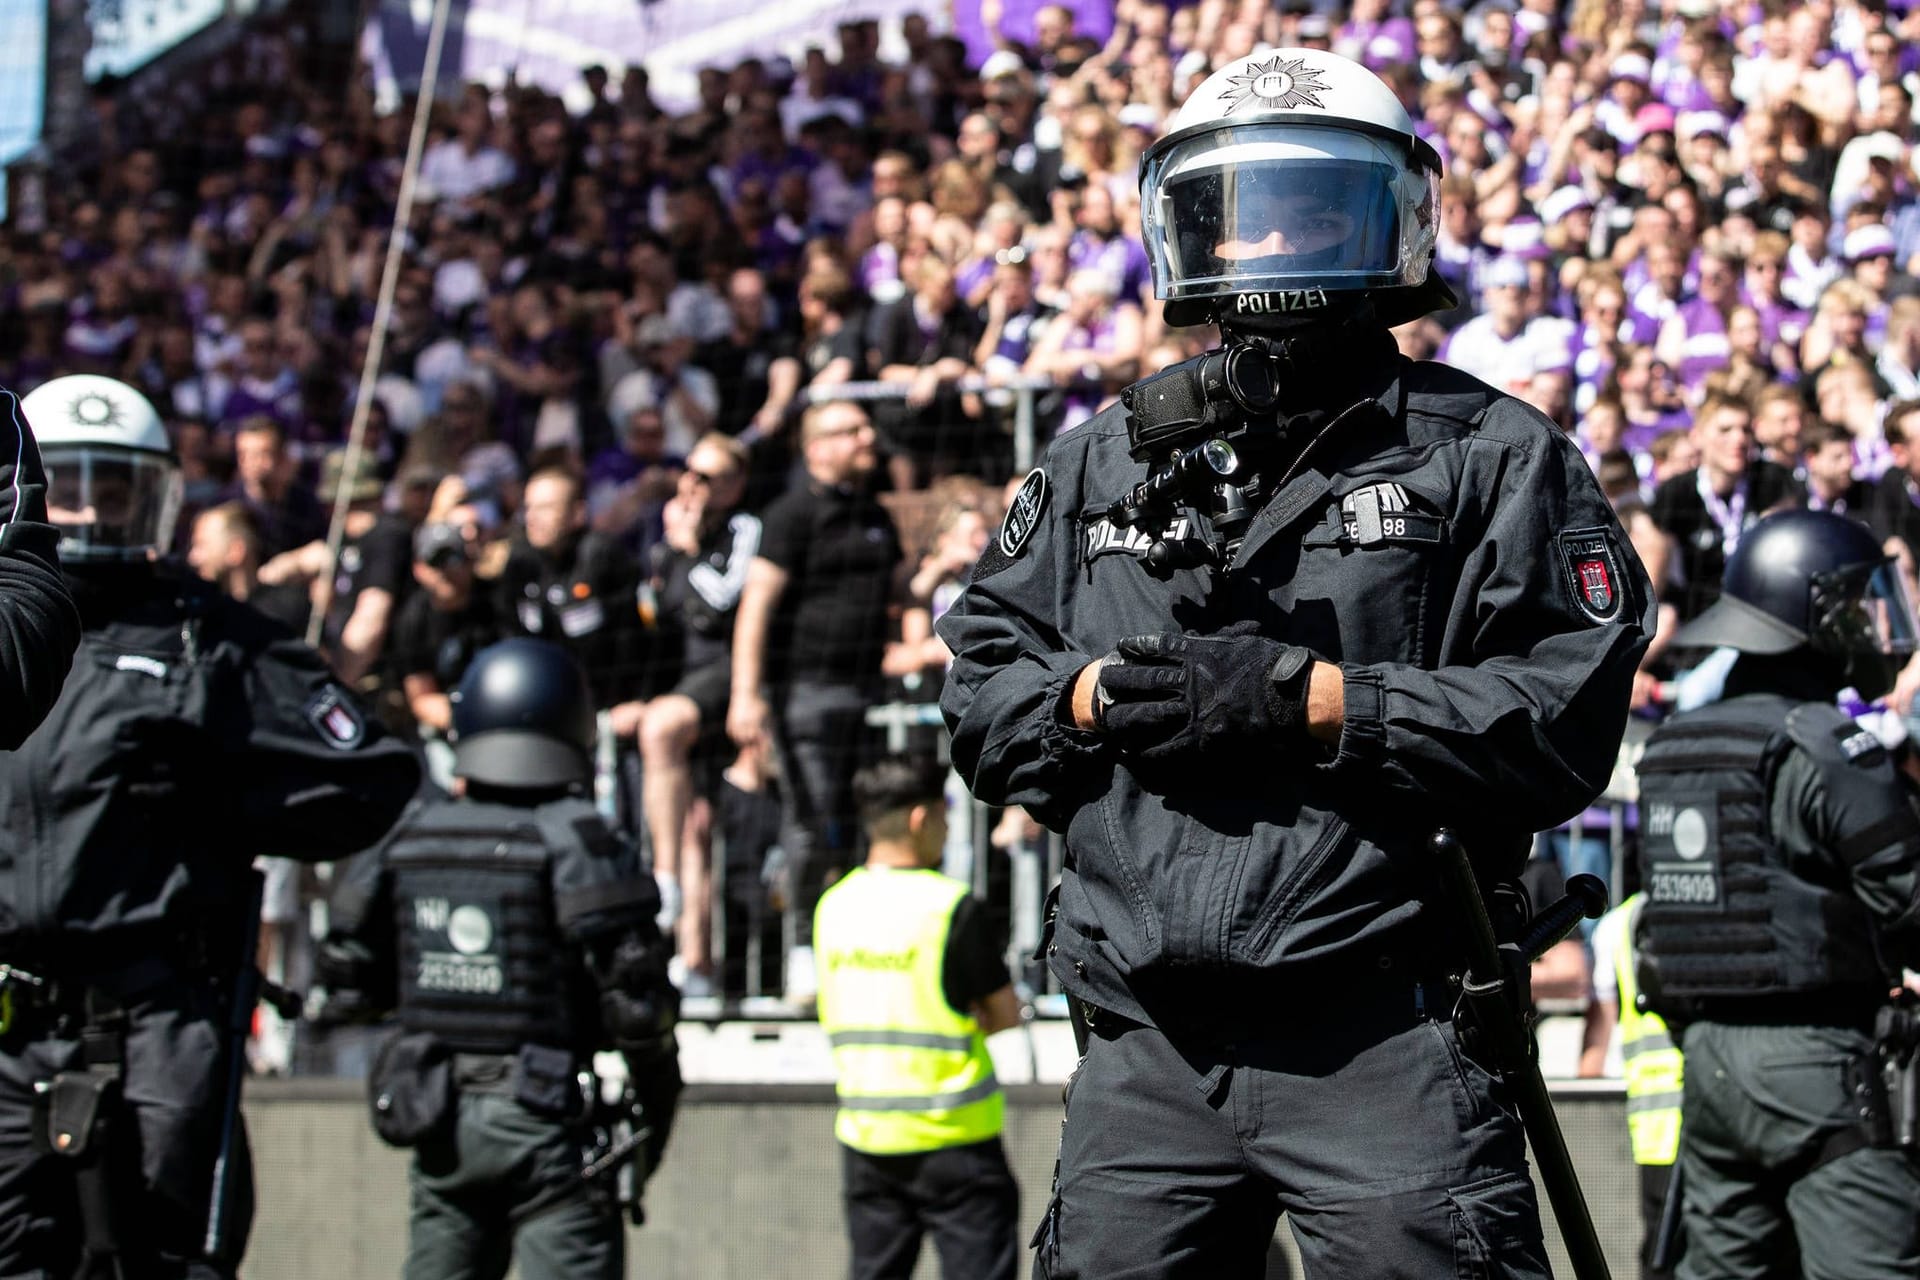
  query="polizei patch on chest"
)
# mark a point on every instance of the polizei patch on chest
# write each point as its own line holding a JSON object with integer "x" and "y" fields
{"x": 1278, "y": 302}
{"x": 1023, "y": 513}
{"x": 1593, "y": 573}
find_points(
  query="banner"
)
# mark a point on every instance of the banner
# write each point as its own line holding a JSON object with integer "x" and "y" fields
{"x": 549, "y": 42}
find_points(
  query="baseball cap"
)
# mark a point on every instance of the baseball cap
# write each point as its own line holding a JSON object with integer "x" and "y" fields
{"x": 1631, "y": 66}
{"x": 1505, "y": 273}
{"x": 1655, "y": 117}
{"x": 1524, "y": 237}
{"x": 364, "y": 485}
{"x": 1870, "y": 241}
{"x": 1001, "y": 62}
{"x": 1691, "y": 124}
{"x": 1563, "y": 201}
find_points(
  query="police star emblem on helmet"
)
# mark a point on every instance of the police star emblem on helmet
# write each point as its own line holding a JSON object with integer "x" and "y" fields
{"x": 95, "y": 410}
{"x": 1276, "y": 85}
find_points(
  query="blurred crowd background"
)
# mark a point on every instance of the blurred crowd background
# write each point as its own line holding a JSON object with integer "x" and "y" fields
{"x": 1685, "y": 230}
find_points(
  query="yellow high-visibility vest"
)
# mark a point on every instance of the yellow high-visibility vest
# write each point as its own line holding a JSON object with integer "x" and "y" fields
{"x": 1653, "y": 1064}
{"x": 913, "y": 1073}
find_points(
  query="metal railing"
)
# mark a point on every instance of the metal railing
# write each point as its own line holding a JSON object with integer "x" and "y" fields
{"x": 1033, "y": 864}
{"x": 1022, "y": 388}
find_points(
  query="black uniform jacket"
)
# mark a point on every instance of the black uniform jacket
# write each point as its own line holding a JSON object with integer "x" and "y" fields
{"x": 1448, "y": 548}
{"x": 192, "y": 735}
{"x": 38, "y": 625}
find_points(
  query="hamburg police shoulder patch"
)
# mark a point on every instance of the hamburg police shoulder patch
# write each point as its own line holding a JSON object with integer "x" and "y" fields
{"x": 336, "y": 719}
{"x": 1593, "y": 570}
{"x": 1023, "y": 513}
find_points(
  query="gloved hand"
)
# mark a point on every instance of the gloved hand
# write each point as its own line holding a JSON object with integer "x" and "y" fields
{"x": 1163, "y": 696}
{"x": 653, "y": 1074}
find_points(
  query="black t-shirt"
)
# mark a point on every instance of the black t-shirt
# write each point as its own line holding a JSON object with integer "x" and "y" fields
{"x": 1699, "y": 540}
{"x": 839, "y": 550}
{"x": 580, "y": 595}
{"x": 285, "y": 603}
{"x": 431, "y": 642}
{"x": 1893, "y": 509}
{"x": 297, "y": 519}
{"x": 382, "y": 557}
{"x": 898, "y": 337}
{"x": 823, "y": 349}
{"x": 742, "y": 375}
{"x": 975, "y": 964}
{"x": 700, "y": 595}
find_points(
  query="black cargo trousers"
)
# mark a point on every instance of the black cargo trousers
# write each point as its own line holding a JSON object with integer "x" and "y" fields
{"x": 158, "y": 1142}
{"x": 1765, "y": 1196}
{"x": 1392, "y": 1152}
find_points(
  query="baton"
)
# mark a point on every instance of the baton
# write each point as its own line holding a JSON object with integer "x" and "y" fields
{"x": 246, "y": 994}
{"x": 1484, "y": 985}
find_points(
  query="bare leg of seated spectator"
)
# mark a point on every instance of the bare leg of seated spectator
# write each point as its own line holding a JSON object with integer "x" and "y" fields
{"x": 667, "y": 734}
{"x": 696, "y": 888}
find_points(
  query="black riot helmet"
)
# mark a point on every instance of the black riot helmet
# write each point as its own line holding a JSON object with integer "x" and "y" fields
{"x": 1816, "y": 581}
{"x": 523, "y": 718}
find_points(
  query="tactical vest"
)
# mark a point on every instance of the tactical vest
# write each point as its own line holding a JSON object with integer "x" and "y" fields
{"x": 1725, "y": 919}
{"x": 1652, "y": 1064}
{"x": 481, "y": 962}
{"x": 914, "y": 1074}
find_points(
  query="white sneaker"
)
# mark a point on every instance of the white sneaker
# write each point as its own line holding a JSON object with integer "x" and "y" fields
{"x": 803, "y": 984}
{"x": 669, "y": 913}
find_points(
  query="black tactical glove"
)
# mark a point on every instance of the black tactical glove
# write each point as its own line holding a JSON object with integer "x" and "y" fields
{"x": 653, "y": 1074}
{"x": 1163, "y": 696}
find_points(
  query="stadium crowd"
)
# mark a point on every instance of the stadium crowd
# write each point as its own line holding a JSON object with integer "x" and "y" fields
{"x": 611, "y": 402}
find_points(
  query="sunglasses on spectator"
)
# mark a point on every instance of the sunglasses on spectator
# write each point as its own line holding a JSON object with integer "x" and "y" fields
{"x": 707, "y": 478}
{"x": 1011, "y": 257}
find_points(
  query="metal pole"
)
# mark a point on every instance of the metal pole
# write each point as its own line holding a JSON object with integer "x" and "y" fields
{"x": 383, "y": 304}
{"x": 1023, "y": 444}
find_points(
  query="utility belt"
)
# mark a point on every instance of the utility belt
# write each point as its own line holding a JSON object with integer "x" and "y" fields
{"x": 1844, "y": 1009}
{"x": 76, "y": 1113}
{"x": 543, "y": 1079}
{"x": 414, "y": 1087}
{"x": 38, "y": 1004}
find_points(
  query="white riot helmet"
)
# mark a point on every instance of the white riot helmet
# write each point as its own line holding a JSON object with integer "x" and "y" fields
{"x": 1287, "y": 178}
{"x": 113, "y": 484}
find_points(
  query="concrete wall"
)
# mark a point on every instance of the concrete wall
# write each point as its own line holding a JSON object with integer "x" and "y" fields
{"x": 750, "y": 1188}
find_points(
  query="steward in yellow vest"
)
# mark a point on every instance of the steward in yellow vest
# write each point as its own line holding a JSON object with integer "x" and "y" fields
{"x": 910, "y": 987}
{"x": 1653, "y": 1070}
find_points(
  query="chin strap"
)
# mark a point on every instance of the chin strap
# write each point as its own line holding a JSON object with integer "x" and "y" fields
{"x": 1317, "y": 362}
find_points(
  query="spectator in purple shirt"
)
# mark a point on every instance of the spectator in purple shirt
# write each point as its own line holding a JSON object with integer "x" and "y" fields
{"x": 1101, "y": 245}
{"x": 1694, "y": 338}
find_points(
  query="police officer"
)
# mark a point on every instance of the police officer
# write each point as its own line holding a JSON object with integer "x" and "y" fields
{"x": 911, "y": 985}
{"x": 1781, "y": 857}
{"x": 514, "y": 934}
{"x": 191, "y": 735}
{"x": 38, "y": 626}
{"x": 1399, "y": 601}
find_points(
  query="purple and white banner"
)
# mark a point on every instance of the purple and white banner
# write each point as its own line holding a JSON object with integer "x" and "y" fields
{"x": 547, "y": 42}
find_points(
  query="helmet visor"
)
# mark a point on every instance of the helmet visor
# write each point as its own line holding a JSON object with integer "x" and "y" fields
{"x": 1258, "y": 207}
{"x": 1865, "y": 609}
{"x": 110, "y": 504}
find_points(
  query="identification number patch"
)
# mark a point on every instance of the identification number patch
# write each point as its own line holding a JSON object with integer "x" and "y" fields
{"x": 1683, "y": 853}
{"x": 459, "y": 946}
